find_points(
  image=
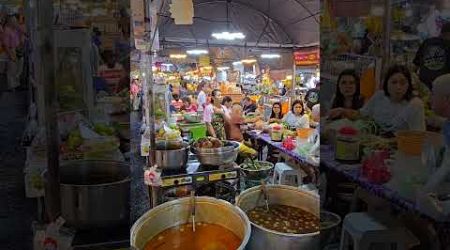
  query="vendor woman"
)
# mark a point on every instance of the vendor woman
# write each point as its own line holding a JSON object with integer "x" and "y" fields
{"x": 394, "y": 108}
{"x": 347, "y": 92}
{"x": 297, "y": 118}
{"x": 276, "y": 116}
{"x": 215, "y": 115}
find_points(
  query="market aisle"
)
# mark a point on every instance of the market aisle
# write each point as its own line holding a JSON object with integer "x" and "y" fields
{"x": 16, "y": 211}
{"x": 139, "y": 192}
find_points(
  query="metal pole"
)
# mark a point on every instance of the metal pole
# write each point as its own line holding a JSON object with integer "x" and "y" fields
{"x": 294, "y": 68}
{"x": 148, "y": 79}
{"x": 47, "y": 52}
{"x": 387, "y": 34}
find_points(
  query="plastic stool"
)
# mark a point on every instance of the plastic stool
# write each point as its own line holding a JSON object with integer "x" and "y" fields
{"x": 365, "y": 231}
{"x": 282, "y": 173}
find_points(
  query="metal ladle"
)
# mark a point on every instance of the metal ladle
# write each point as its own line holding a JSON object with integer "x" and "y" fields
{"x": 193, "y": 210}
{"x": 266, "y": 196}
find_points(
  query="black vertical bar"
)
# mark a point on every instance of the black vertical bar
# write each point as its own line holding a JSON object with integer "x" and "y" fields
{"x": 47, "y": 52}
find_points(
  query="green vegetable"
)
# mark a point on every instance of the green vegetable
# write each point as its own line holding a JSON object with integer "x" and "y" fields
{"x": 104, "y": 130}
{"x": 74, "y": 140}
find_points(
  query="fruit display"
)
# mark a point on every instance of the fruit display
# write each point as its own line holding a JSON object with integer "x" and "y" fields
{"x": 289, "y": 143}
{"x": 168, "y": 133}
{"x": 104, "y": 130}
{"x": 209, "y": 142}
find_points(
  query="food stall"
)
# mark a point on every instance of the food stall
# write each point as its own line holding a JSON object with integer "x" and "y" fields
{"x": 361, "y": 164}
{"x": 206, "y": 179}
{"x": 81, "y": 141}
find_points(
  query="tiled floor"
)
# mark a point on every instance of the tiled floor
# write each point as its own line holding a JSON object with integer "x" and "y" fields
{"x": 139, "y": 192}
{"x": 16, "y": 211}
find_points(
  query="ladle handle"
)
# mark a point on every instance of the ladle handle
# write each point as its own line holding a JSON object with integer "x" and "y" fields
{"x": 264, "y": 191}
{"x": 193, "y": 209}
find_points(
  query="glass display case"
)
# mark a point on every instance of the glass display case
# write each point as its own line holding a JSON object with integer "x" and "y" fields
{"x": 73, "y": 72}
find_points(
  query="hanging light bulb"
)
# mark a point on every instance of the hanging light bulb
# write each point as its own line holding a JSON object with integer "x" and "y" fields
{"x": 197, "y": 52}
{"x": 178, "y": 56}
{"x": 228, "y": 36}
{"x": 270, "y": 56}
{"x": 248, "y": 61}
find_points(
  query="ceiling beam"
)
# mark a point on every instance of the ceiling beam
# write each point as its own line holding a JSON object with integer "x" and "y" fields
{"x": 248, "y": 6}
{"x": 187, "y": 42}
{"x": 304, "y": 18}
{"x": 308, "y": 10}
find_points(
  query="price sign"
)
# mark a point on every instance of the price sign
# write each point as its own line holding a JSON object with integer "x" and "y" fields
{"x": 306, "y": 58}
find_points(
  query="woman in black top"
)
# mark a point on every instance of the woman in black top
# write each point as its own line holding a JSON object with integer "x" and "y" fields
{"x": 276, "y": 116}
{"x": 348, "y": 92}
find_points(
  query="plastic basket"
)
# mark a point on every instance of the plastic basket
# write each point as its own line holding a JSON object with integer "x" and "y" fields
{"x": 410, "y": 141}
{"x": 198, "y": 131}
{"x": 304, "y": 133}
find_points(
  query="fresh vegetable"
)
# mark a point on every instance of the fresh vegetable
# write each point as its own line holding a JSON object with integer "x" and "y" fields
{"x": 103, "y": 129}
{"x": 250, "y": 164}
{"x": 74, "y": 140}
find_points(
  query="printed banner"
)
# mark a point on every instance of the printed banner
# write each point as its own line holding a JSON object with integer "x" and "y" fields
{"x": 306, "y": 58}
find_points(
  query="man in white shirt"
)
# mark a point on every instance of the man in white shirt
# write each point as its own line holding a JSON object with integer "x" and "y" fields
{"x": 201, "y": 98}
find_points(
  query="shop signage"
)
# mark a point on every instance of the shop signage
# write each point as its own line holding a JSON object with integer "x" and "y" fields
{"x": 204, "y": 61}
{"x": 307, "y": 57}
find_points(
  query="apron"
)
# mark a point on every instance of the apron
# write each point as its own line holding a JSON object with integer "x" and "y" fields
{"x": 217, "y": 123}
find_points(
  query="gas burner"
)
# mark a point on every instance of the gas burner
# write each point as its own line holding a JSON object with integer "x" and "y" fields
{"x": 249, "y": 183}
{"x": 221, "y": 182}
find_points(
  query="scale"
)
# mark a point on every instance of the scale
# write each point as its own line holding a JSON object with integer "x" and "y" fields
{"x": 221, "y": 182}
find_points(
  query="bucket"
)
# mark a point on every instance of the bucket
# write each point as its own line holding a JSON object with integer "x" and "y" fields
{"x": 304, "y": 133}
{"x": 197, "y": 130}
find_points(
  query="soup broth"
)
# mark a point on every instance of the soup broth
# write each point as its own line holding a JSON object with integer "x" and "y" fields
{"x": 206, "y": 237}
{"x": 284, "y": 219}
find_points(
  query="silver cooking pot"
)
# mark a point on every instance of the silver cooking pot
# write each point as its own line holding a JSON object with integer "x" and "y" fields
{"x": 177, "y": 212}
{"x": 174, "y": 158}
{"x": 217, "y": 156}
{"x": 95, "y": 193}
{"x": 263, "y": 238}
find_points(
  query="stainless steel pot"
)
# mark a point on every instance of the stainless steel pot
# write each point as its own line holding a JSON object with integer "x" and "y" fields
{"x": 95, "y": 193}
{"x": 284, "y": 195}
{"x": 329, "y": 228}
{"x": 173, "y": 213}
{"x": 174, "y": 159}
{"x": 218, "y": 156}
{"x": 257, "y": 174}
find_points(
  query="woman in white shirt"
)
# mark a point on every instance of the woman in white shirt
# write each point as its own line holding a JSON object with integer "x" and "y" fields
{"x": 393, "y": 108}
{"x": 296, "y": 118}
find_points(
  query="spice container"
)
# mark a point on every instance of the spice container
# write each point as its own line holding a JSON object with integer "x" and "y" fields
{"x": 276, "y": 132}
{"x": 347, "y": 145}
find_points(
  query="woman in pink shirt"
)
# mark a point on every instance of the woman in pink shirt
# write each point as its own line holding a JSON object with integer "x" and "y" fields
{"x": 188, "y": 105}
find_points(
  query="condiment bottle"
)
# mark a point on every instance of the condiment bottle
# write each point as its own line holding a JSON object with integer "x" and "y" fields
{"x": 276, "y": 133}
{"x": 347, "y": 145}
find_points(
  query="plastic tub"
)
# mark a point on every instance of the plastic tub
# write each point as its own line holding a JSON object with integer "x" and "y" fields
{"x": 304, "y": 133}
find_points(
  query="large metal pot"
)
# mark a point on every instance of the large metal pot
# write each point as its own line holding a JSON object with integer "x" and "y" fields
{"x": 95, "y": 193}
{"x": 174, "y": 159}
{"x": 217, "y": 156}
{"x": 177, "y": 212}
{"x": 284, "y": 195}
